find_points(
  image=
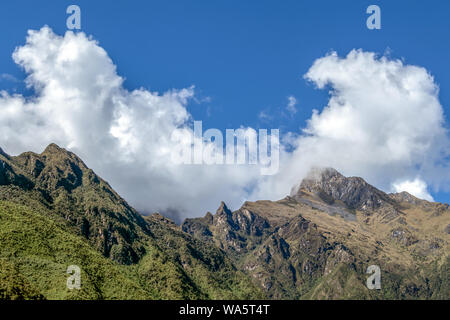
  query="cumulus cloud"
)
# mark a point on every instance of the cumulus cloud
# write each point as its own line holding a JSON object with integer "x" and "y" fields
{"x": 125, "y": 136}
{"x": 383, "y": 122}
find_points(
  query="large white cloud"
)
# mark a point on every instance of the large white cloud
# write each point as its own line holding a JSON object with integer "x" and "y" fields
{"x": 125, "y": 136}
{"x": 383, "y": 122}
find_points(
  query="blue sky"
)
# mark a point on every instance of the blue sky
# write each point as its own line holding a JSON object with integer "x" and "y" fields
{"x": 243, "y": 57}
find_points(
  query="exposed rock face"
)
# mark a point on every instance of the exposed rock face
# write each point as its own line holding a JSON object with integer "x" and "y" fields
{"x": 403, "y": 236}
{"x": 280, "y": 259}
{"x": 330, "y": 186}
{"x": 234, "y": 231}
{"x": 406, "y": 197}
{"x": 318, "y": 242}
{"x": 198, "y": 227}
{"x": 340, "y": 193}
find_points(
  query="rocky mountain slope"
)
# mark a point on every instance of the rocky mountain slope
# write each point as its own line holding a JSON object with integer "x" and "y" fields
{"x": 318, "y": 242}
{"x": 314, "y": 244}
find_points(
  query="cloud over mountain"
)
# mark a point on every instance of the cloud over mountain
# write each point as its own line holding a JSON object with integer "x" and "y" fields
{"x": 383, "y": 122}
{"x": 80, "y": 103}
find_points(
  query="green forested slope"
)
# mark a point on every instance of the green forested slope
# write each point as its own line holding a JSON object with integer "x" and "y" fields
{"x": 55, "y": 212}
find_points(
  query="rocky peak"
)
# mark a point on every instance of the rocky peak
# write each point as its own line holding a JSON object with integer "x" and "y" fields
{"x": 331, "y": 186}
{"x": 405, "y": 197}
{"x": 223, "y": 209}
{"x": 55, "y": 167}
{"x": 53, "y": 148}
{"x": 209, "y": 218}
{"x": 162, "y": 219}
{"x": 224, "y": 216}
{"x": 321, "y": 175}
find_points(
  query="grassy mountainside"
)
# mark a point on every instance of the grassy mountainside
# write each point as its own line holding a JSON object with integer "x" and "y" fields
{"x": 55, "y": 212}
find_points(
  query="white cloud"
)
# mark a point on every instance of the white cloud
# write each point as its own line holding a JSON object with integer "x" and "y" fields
{"x": 125, "y": 136}
{"x": 383, "y": 122}
{"x": 416, "y": 187}
{"x": 291, "y": 106}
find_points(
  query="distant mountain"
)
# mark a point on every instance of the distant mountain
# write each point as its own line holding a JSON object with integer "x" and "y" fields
{"x": 314, "y": 244}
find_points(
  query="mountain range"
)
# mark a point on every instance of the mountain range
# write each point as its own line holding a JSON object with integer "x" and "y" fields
{"x": 316, "y": 243}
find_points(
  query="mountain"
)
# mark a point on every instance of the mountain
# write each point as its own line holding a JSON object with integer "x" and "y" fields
{"x": 318, "y": 242}
{"x": 314, "y": 244}
{"x": 56, "y": 212}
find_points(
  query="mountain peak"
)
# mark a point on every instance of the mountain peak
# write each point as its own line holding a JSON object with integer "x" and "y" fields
{"x": 330, "y": 186}
{"x": 61, "y": 180}
{"x": 53, "y": 148}
{"x": 223, "y": 209}
{"x": 59, "y": 156}
{"x": 319, "y": 175}
{"x": 406, "y": 197}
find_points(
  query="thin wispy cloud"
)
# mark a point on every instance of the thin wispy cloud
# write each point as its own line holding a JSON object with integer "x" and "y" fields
{"x": 8, "y": 77}
{"x": 265, "y": 116}
{"x": 291, "y": 106}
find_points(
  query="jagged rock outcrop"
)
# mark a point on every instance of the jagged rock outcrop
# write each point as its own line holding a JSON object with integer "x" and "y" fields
{"x": 233, "y": 231}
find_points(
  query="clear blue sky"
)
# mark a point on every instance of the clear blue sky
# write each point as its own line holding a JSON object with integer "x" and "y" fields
{"x": 246, "y": 56}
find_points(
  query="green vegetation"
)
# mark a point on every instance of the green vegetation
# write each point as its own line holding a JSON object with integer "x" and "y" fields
{"x": 56, "y": 212}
